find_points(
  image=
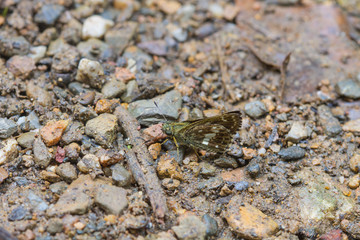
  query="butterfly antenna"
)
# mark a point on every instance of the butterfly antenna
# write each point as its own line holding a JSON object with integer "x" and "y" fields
{"x": 155, "y": 103}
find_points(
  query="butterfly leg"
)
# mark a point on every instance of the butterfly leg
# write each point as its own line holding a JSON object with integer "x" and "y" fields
{"x": 177, "y": 147}
{"x": 197, "y": 154}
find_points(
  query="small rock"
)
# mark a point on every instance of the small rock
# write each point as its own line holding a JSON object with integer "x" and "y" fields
{"x": 72, "y": 151}
{"x": 3, "y": 174}
{"x": 297, "y": 132}
{"x": 38, "y": 94}
{"x": 210, "y": 184}
{"x": 253, "y": 169}
{"x": 51, "y": 133}
{"x": 156, "y": 47}
{"x": 211, "y": 225}
{"x": 352, "y": 126}
{"x": 90, "y": 164}
{"x": 111, "y": 199}
{"x": 119, "y": 37}
{"x": 102, "y": 128}
{"x": 95, "y": 27}
{"x": 177, "y": 32}
{"x": 67, "y": 172}
{"x": 216, "y": 10}
{"x": 79, "y": 225}
{"x": 90, "y": 72}
{"x": 354, "y": 181}
{"x": 26, "y": 140}
{"x": 235, "y": 175}
{"x": 231, "y": 11}
{"x": 73, "y": 133}
{"x": 335, "y": 234}
{"x": 154, "y": 150}
{"x": 205, "y": 30}
{"x": 355, "y": 163}
{"x": 249, "y": 222}
{"x": 7, "y": 128}
{"x": 292, "y": 153}
{"x": 190, "y": 227}
{"x": 124, "y": 75}
{"x": 48, "y": 14}
{"x": 170, "y": 184}
{"x": 207, "y": 170}
{"x": 120, "y": 175}
{"x": 17, "y": 214}
{"x": 49, "y": 176}
{"x": 168, "y": 7}
{"x": 103, "y": 106}
{"x": 28, "y": 160}
{"x": 58, "y": 187}
{"x": 132, "y": 91}
{"x": 45, "y": 37}
{"x": 37, "y": 53}
{"x": 110, "y": 157}
{"x": 249, "y": 153}
{"x": 113, "y": 89}
{"x": 348, "y": 88}
{"x": 36, "y": 202}
{"x": 226, "y": 162}
{"x": 13, "y": 45}
{"x": 21, "y": 66}
{"x": 235, "y": 150}
{"x": 241, "y": 186}
{"x": 55, "y": 225}
{"x": 328, "y": 121}
{"x": 42, "y": 156}
{"x": 168, "y": 167}
{"x": 255, "y": 109}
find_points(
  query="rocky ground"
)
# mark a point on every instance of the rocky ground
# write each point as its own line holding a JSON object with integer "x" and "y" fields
{"x": 74, "y": 164}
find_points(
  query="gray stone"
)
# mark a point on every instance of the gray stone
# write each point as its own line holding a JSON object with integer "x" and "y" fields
{"x": 119, "y": 37}
{"x": 7, "y": 127}
{"x": 93, "y": 48}
{"x": 253, "y": 169}
{"x": 42, "y": 156}
{"x": 190, "y": 227}
{"x": 11, "y": 45}
{"x": 73, "y": 133}
{"x": 95, "y": 27}
{"x": 226, "y": 162}
{"x": 113, "y": 89}
{"x": 138, "y": 56}
{"x": 102, "y": 128}
{"x": 33, "y": 120}
{"x": 292, "y": 153}
{"x": 297, "y": 132}
{"x": 111, "y": 199}
{"x": 169, "y": 105}
{"x": 84, "y": 114}
{"x": 241, "y": 186}
{"x": 57, "y": 46}
{"x": 255, "y": 109}
{"x": 48, "y": 14}
{"x": 120, "y": 175}
{"x": 207, "y": 170}
{"x": 36, "y": 202}
{"x": 58, "y": 188}
{"x": 17, "y": 214}
{"x": 67, "y": 172}
{"x": 330, "y": 124}
{"x": 55, "y": 225}
{"x": 90, "y": 72}
{"x": 132, "y": 91}
{"x": 348, "y": 88}
{"x": 26, "y": 140}
{"x": 90, "y": 164}
{"x": 157, "y": 47}
{"x": 211, "y": 225}
{"x": 39, "y": 94}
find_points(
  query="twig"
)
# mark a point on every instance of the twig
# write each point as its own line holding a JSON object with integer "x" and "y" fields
{"x": 283, "y": 68}
{"x": 5, "y": 235}
{"x": 141, "y": 163}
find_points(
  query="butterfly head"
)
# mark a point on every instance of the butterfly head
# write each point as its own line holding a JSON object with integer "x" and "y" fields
{"x": 167, "y": 128}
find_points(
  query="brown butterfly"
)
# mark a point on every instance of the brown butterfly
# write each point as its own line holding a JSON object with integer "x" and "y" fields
{"x": 213, "y": 134}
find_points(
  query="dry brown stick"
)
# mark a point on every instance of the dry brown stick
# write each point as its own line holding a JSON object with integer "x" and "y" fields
{"x": 141, "y": 163}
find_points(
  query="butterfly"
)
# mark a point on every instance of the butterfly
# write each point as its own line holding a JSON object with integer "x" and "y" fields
{"x": 213, "y": 134}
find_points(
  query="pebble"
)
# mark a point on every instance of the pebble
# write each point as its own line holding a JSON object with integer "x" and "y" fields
{"x": 3, "y": 174}
{"x": 207, "y": 170}
{"x": 51, "y": 133}
{"x": 170, "y": 184}
{"x": 120, "y": 175}
{"x": 48, "y": 14}
{"x": 210, "y": 184}
{"x": 90, "y": 164}
{"x": 103, "y": 106}
{"x": 355, "y": 163}
{"x": 297, "y": 132}
{"x": 275, "y": 148}
{"x": 58, "y": 187}
{"x": 119, "y": 38}
{"x": 110, "y": 157}
{"x": 57, "y": 46}
{"x": 7, "y": 127}
{"x": 190, "y": 227}
{"x": 292, "y": 153}
{"x": 73, "y": 133}
{"x": 8, "y": 150}
{"x": 28, "y": 160}
{"x": 113, "y": 89}
{"x": 168, "y": 167}
{"x": 226, "y": 162}
{"x": 249, "y": 222}
{"x": 55, "y": 225}
{"x": 90, "y": 72}
{"x": 95, "y": 27}
{"x": 66, "y": 61}
{"x": 79, "y": 225}
{"x": 39, "y": 94}
{"x": 210, "y": 224}
{"x": 354, "y": 181}
{"x": 168, "y": 7}
{"x": 156, "y": 47}
{"x": 241, "y": 186}
{"x": 169, "y": 105}
{"x": 235, "y": 150}
{"x": 348, "y": 88}
{"x": 132, "y": 90}
{"x": 255, "y": 109}
{"x": 205, "y": 30}
{"x": 154, "y": 150}
{"x": 37, "y": 53}
{"x": 231, "y": 11}
{"x": 124, "y": 75}
{"x": 253, "y": 169}
{"x": 102, "y": 128}
{"x": 13, "y": 45}
{"x": 352, "y": 126}
{"x": 177, "y": 32}
{"x": 67, "y": 172}
{"x": 328, "y": 121}
{"x": 216, "y": 10}
{"x": 36, "y": 202}
{"x": 17, "y": 214}
{"x": 235, "y": 175}
{"x": 249, "y": 153}
{"x": 50, "y": 176}
{"x": 93, "y": 49}
{"x": 111, "y": 199}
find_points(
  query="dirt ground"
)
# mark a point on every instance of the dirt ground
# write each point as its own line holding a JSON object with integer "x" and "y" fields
{"x": 86, "y": 86}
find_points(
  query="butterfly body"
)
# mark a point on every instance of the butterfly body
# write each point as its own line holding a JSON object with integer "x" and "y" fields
{"x": 212, "y": 134}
